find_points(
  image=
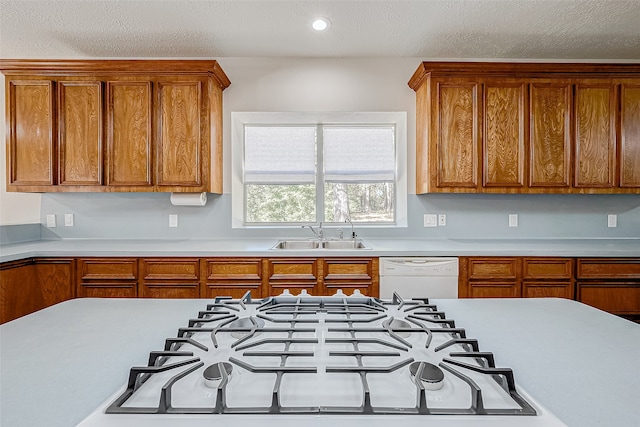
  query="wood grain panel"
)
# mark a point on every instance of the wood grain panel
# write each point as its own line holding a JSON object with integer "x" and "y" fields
{"x": 350, "y": 274}
{"x": 233, "y": 270}
{"x": 170, "y": 290}
{"x": 550, "y": 137}
{"x": 608, "y": 268}
{"x": 504, "y": 134}
{"x": 457, "y": 135}
{"x": 425, "y": 181}
{"x": 618, "y": 298}
{"x": 179, "y": 153}
{"x": 547, "y": 290}
{"x": 129, "y": 133}
{"x": 107, "y": 269}
{"x": 108, "y": 290}
{"x": 547, "y": 268}
{"x": 18, "y": 289}
{"x": 31, "y": 132}
{"x": 80, "y": 133}
{"x": 55, "y": 279}
{"x": 494, "y": 290}
{"x": 595, "y": 139}
{"x": 493, "y": 268}
{"x": 236, "y": 290}
{"x": 212, "y": 164}
{"x": 170, "y": 269}
{"x": 630, "y": 137}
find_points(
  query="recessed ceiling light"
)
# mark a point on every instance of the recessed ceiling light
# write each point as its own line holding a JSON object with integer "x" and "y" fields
{"x": 321, "y": 24}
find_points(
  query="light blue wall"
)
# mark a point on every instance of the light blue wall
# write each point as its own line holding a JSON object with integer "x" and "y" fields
{"x": 146, "y": 216}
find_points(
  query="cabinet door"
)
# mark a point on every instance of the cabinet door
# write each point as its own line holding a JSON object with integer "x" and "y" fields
{"x": 630, "y": 136}
{"x": 180, "y": 142}
{"x": 595, "y": 135}
{"x": 550, "y": 135}
{"x": 455, "y": 159}
{"x": 504, "y": 127}
{"x": 55, "y": 279}
{"x": 170, "y": 278}
{"x": 294, "y": 274}
{"x": 31, "y": 132}
{"x": 481, "y": 289}
{"x": 129, "y": 133}
{"x": 18, "y": 290}
{"x": 621, "y": 298}
{"x": 350, "y": 274}
{"x": 232, "y": 277}
{"x": 107, "y": 277}
{"x": 80, "y": 133}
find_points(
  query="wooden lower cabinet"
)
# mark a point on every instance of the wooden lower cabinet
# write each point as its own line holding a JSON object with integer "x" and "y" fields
{"x": 232, "y": 277}
{"x": 610, "y": 284}
{"x": 169, "y": 278}
{"x": 33, "y": 284}
{"x": 514, "y": 277}
{"x": 294, "y": 275}
{"x": 107, "y": 277}
{"x": 351, "y": 274}
{"x": 489, "y": 277}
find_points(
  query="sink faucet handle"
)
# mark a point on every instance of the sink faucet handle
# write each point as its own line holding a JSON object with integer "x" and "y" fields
{"x": 353, "y": 233}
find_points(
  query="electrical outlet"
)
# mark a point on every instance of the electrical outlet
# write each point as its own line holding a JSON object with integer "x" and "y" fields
{"x": 51, "y": 221}
{"x": 513, "y": 220}
{"x": 430, "y": 220}
{"x": 68, "y": 220}
{"x": 612, "y": 221}
{"x": 173, "y": 220}
{"x": 442, "y": 220}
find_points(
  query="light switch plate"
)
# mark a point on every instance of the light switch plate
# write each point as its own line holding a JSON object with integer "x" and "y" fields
{"x": 513, "y": 220}
{"x": 51, "y": 221}
{"x": 430, "y": 220}
{"x": 68, "y": 220}
{"x": 442, "y": 220}
{"x": 173, "y": 220}
{"x": 612, "y": 221}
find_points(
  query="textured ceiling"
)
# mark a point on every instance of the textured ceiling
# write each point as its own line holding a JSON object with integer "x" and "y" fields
{"x": 534, "y": 29}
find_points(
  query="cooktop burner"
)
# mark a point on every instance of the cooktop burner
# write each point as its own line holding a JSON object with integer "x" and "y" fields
{"x": 328, "y": 356}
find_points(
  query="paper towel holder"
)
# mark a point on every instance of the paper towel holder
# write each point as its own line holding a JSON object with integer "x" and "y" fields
{"x": 188, "y": 199}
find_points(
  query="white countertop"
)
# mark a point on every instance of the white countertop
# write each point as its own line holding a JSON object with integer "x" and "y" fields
{"x": 380, "y": 247}
{"x": 60, "y": 363}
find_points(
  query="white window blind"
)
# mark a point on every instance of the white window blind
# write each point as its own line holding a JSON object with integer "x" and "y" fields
{"x": 359, "y": 154}
{"x": 280, "y": 154}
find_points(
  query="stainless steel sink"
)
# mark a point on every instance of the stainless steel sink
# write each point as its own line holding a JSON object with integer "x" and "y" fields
{"x": 297, "y": 244}
{"x": 344, "y": 244}
{"x": 315, "y": 244}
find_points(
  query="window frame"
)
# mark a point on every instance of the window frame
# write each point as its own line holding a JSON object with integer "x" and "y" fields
{"x": 239, "y": 119}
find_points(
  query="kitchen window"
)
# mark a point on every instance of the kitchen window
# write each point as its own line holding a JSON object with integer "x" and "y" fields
{"x": 301, "y": 168}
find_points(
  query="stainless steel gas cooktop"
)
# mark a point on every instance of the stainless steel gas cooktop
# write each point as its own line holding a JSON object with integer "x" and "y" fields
{"x": 304, "y": 359}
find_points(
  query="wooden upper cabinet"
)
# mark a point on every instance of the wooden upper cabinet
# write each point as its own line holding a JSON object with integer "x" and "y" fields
{"x": 456, "y": 134}
{"x": 80, "y": 132}
{"x": 31, "y": 157}
{"x": 550, "y": 144}
{"x": 180, "y": 141}
{"x": 630, "y": 135}
{"x": 595, "y": 134}
{"x": 106, "y": 125}
{"x": 504, "y": 137}
{"x": 129, "y": 133}
{"x": 527, "y": 127}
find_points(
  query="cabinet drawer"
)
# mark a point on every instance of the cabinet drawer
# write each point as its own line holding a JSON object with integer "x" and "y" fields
{"x": 608, "y": 268}
{"x": 348, "y": 270}
{"x": 547, "y": 268}
{"x": 171, "y": 269}
{"x": 108, "y": 269}
{"x": 496, "y": 268}
{"x": 293, "y": 270}
{"x": 234, "y": 269}
{"x": 618, "y": 298}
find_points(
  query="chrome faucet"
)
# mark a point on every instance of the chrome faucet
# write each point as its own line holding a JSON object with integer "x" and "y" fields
{"x": 353, "y": 233}
{"x": 317, "y": 231}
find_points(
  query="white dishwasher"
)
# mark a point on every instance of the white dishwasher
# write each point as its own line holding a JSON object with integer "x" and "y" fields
{"x": 419, "y": 277}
